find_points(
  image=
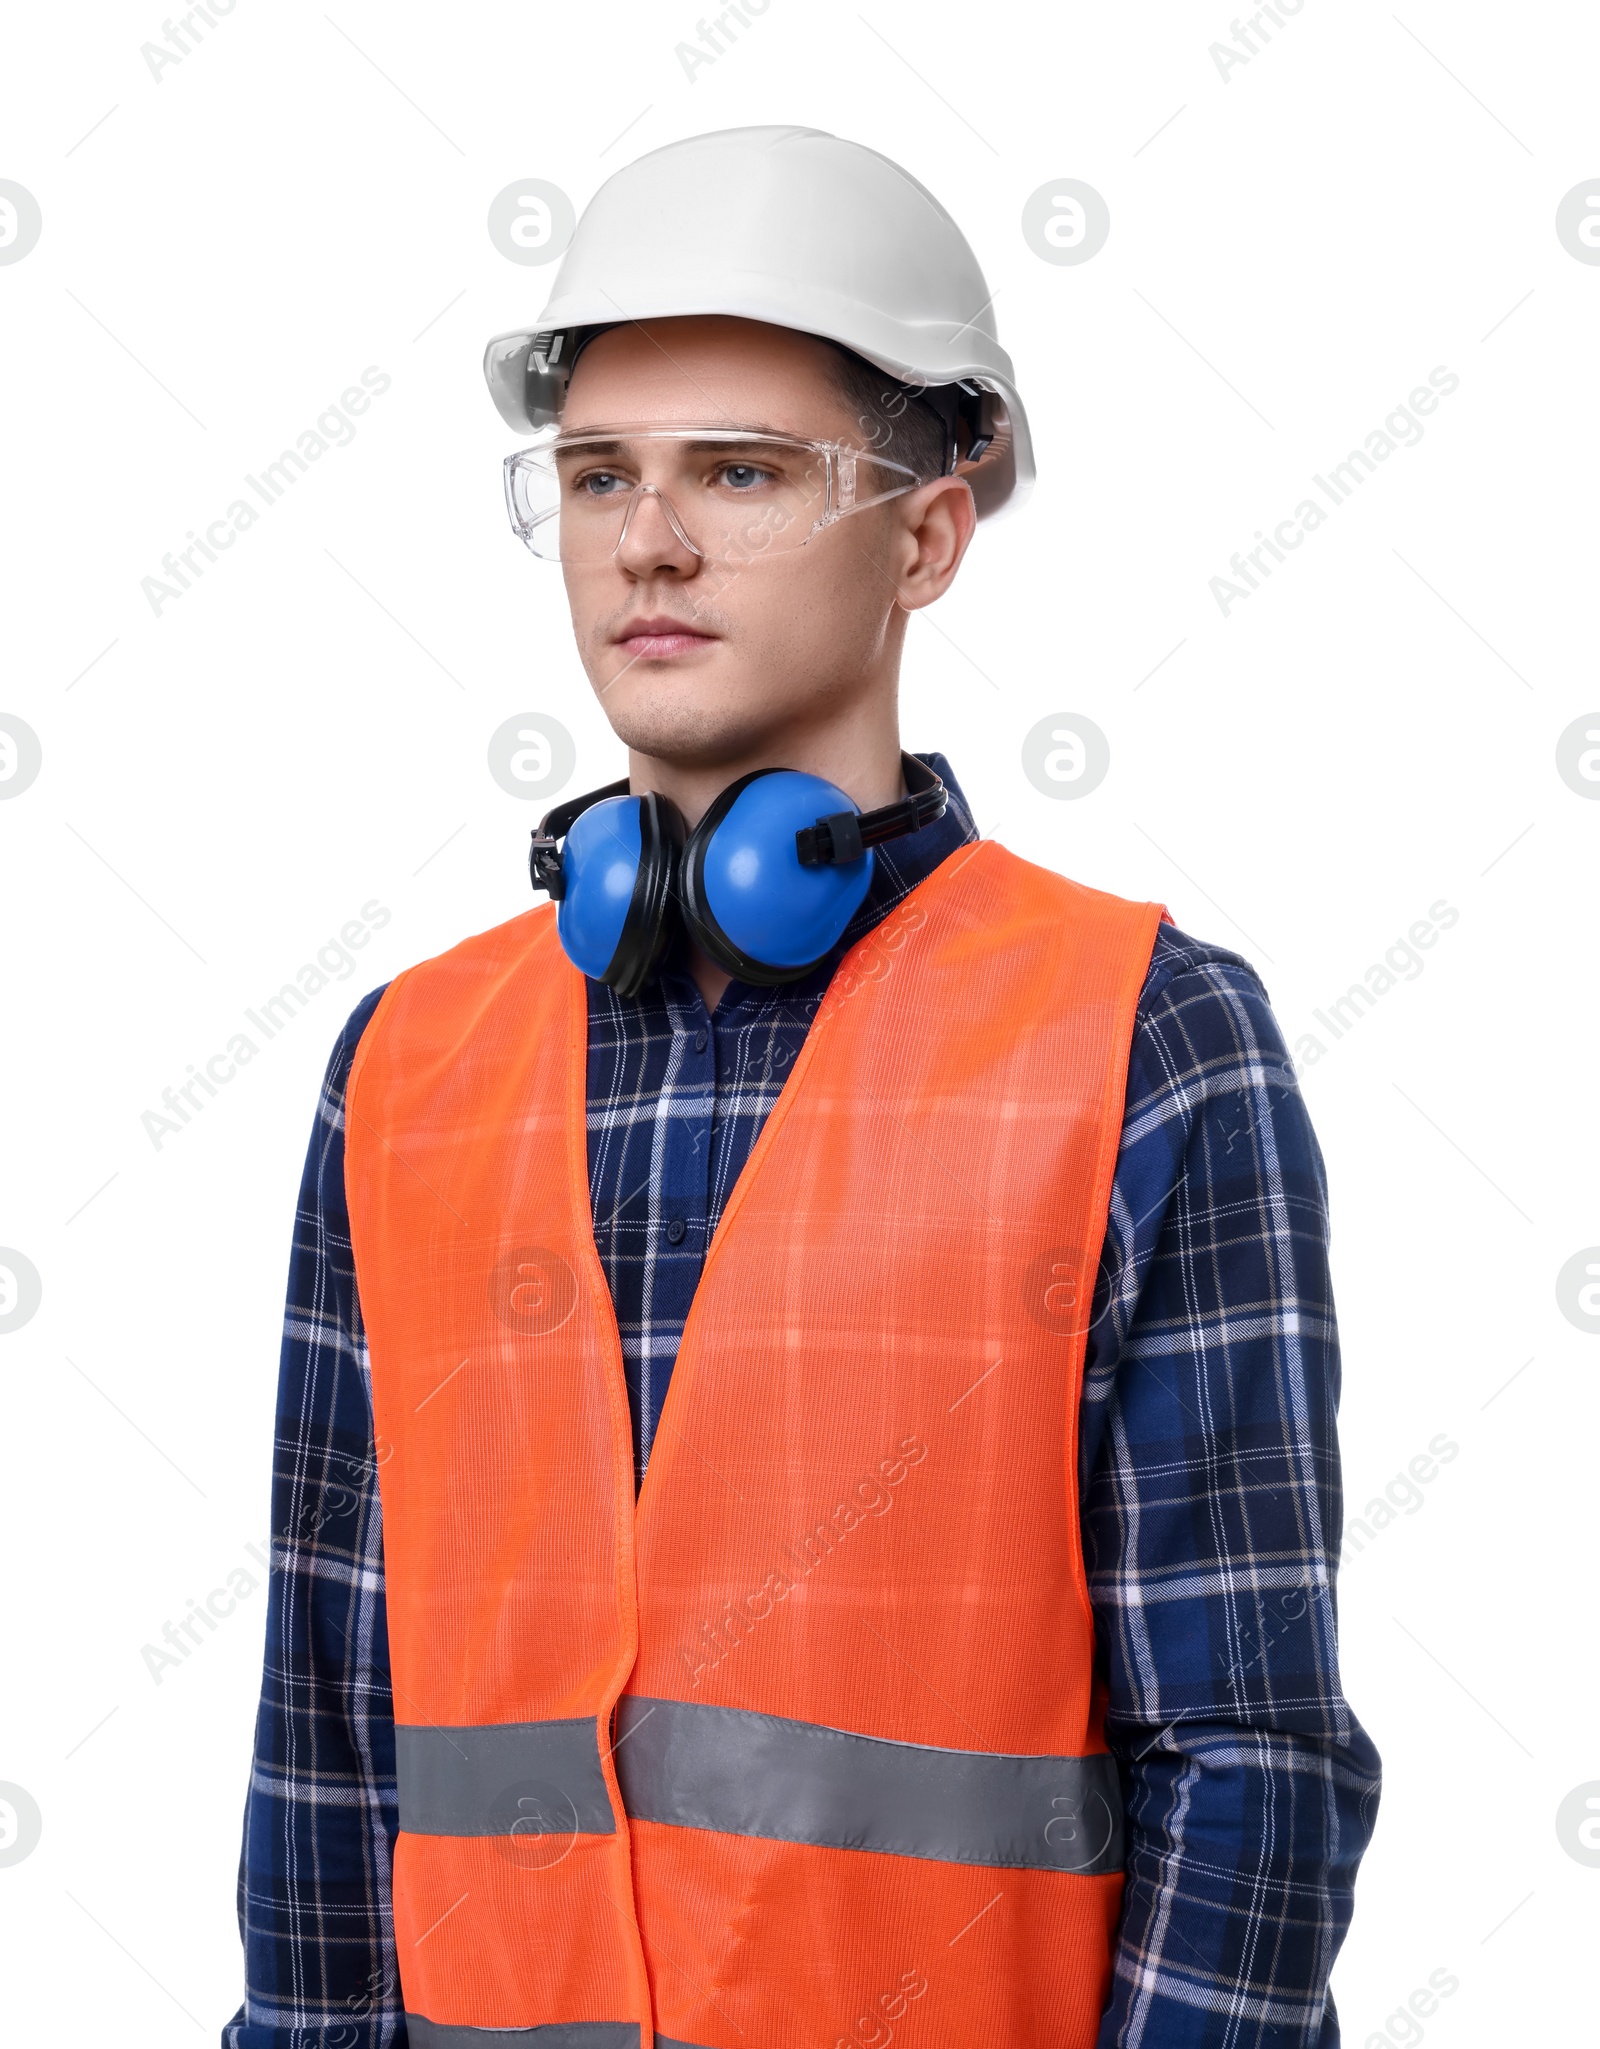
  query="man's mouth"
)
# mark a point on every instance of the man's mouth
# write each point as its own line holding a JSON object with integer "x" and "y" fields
{"x": 659, "y": 638}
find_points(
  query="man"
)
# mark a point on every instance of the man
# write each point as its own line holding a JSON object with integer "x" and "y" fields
{"x": 820, "y": 1523}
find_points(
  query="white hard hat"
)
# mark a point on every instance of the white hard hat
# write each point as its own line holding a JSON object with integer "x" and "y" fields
{"x": 797, "y": 228}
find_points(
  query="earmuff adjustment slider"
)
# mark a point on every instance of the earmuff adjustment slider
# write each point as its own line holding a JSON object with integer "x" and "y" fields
{"x": 544, "y": 866}
{"x": 545, "y": 869}
{"x": 843, "y": 836}
{"x": 831, "y": 842}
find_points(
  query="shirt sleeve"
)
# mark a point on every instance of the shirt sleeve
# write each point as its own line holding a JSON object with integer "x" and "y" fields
{"x": 321, "y": 1816}
{"x": 1211, "y": 1516}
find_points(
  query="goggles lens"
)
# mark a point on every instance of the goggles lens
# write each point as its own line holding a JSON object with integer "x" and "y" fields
{"x": 730, "y": 494}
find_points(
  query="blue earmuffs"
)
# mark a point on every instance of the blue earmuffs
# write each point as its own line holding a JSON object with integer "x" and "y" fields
{"x": 766, "y": 882}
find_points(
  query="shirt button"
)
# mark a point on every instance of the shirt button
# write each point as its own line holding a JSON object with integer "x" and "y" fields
{"x": 675, "y": 1231}
{"x": 700, "y": 1041}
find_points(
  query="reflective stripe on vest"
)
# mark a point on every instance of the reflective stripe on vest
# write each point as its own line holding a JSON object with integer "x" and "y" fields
{"x": 455, "y": 1782}
{"x": 695, "y": 1766}
{"x": 858, "y": 1775}
{"x": 424, "y": 2034}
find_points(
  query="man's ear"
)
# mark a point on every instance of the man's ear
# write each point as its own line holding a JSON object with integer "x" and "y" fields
{"x": 936, "y": 525}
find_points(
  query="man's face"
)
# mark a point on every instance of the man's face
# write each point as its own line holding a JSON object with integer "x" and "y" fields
{"x": 698, "y": 659}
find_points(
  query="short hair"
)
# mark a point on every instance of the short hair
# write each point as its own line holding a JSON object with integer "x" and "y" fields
{"x": 890, "y": 417}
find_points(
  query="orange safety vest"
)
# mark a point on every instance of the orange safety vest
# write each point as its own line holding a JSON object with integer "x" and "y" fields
{"x": 803, "y": 1746}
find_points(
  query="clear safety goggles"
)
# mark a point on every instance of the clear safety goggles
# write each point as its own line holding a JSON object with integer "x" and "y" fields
{"x": 730, "y": 494}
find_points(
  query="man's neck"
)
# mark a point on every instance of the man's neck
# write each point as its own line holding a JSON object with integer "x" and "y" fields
{"x": 709, "y": 979}
{"x": 862, "y": 760}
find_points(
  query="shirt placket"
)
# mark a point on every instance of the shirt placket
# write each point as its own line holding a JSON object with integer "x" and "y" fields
{"x": 679, "y": 1196}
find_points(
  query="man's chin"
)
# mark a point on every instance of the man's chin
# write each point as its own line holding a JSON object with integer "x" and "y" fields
{"x": 669, "y": 719}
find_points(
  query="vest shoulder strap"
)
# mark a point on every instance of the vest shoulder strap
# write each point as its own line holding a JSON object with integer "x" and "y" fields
{"x": 442, "y": 1000}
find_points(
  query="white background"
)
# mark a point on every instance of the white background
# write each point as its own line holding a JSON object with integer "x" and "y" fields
{"x": 227, "y": 783}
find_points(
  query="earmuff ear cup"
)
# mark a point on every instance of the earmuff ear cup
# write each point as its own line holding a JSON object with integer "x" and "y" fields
{"x": 745, "y": 895}
{"x": 620, "y": 863}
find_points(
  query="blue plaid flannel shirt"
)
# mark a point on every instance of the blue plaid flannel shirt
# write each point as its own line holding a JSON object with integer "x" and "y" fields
{"x": 1210, "y": 1492}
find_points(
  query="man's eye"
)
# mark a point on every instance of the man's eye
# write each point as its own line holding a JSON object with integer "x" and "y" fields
{"x": 744, "y": 476}
{"x": 600, "y": 484}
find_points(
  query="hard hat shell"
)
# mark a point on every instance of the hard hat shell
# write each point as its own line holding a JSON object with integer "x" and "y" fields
{"x": 791, "y": 226}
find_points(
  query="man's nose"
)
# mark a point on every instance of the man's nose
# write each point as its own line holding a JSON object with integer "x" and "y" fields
{"x": 653, "y": 537}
